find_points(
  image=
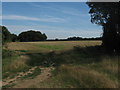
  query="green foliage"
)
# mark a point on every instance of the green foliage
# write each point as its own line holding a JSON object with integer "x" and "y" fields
{"x": 6, "y": 35}
{"x": 44, "y": 36}
{"x": 23, "y": 37}
{"x": 101, "y": 12}
{"x": 107, "y": 14}
{"x": 14, "y": 37}
{"x": 32, "y": 36}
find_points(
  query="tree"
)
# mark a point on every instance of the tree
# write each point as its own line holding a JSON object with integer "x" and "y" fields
{"x": 14, "y": 37}
{"x": 44, "y": 36}
{"x": 31, "y": 36}
{"x": 107, "y": 15}
{"x": 74, "y": 38}
{"x": 6, "y": 35}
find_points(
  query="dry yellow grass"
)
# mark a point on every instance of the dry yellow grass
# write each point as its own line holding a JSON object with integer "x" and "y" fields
{"x": 16, "y": 64}
{"x": 70, "y": 76}
{"x": 33, "y": 45}
{"x": 110, "y": 64}
{"x": 20, "y": 46}
{"x": 81, "y": 43}
{"x": 89, "y": 78}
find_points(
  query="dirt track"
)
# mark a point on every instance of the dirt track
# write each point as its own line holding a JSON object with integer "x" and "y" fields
{"x": 45, "y": 74}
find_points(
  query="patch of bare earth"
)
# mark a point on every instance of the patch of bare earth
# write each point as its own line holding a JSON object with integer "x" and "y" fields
{"x": 25, "y": 83}
{"x": 18, "y": 75}
{"x": 22, "y": 59}
{"x": 21, "y": 83}
{"x": 45, "y": 74}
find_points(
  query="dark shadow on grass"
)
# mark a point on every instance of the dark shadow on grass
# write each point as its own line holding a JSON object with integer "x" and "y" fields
{"x": 78, "y": 55}
{"x": 41, "y": 59}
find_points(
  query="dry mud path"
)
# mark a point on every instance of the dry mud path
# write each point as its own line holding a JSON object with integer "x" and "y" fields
{"x": 26, "y": 83}
{"x": 18, "y": 82}
{"x": 45, "y": 74}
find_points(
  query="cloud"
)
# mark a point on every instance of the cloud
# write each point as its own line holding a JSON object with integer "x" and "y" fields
{"x": 72, "y": 12}
{"x": 56, "y": 32}
{"x": 60, "y": 9}
{"x": 18, "y": 17}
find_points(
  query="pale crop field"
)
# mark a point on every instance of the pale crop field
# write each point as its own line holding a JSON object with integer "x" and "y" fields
{"x": 50, "y": 45}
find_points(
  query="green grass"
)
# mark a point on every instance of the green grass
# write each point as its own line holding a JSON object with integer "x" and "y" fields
{"x": 52, "y": 47}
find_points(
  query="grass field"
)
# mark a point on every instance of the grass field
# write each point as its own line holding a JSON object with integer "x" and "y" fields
{"x": 50, "y": 45}
{"x": 77, "y": 64}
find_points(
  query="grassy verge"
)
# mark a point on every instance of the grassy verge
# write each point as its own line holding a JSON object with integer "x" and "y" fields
{"x": 12, "y": 63}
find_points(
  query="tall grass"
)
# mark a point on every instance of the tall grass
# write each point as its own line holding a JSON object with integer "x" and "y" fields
{"x": 70, "y": 76}
{"x": 12, "y": 63}
{"x": 88, "y": 67}
{"x": 84, "y": 77}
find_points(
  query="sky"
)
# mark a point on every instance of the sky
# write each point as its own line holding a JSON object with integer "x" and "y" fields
{"x": 55, "y": 19}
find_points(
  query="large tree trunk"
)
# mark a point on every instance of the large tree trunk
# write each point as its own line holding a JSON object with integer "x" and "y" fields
{"x": 111, "y": 37}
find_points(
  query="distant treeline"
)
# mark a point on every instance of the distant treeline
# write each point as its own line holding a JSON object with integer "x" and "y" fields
{"x": 26, "y": 36}
{"x": 75, "y": 39}
{"x": 30, "y": 36}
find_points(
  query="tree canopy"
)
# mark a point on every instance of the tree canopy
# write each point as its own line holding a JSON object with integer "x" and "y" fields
{"x": 32, "y": 36}
{"x": 6, "y": 35}
{"x": 107, "y": 15}
{"x": 23, "y": 37}
{"x": 102, "y": 12}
